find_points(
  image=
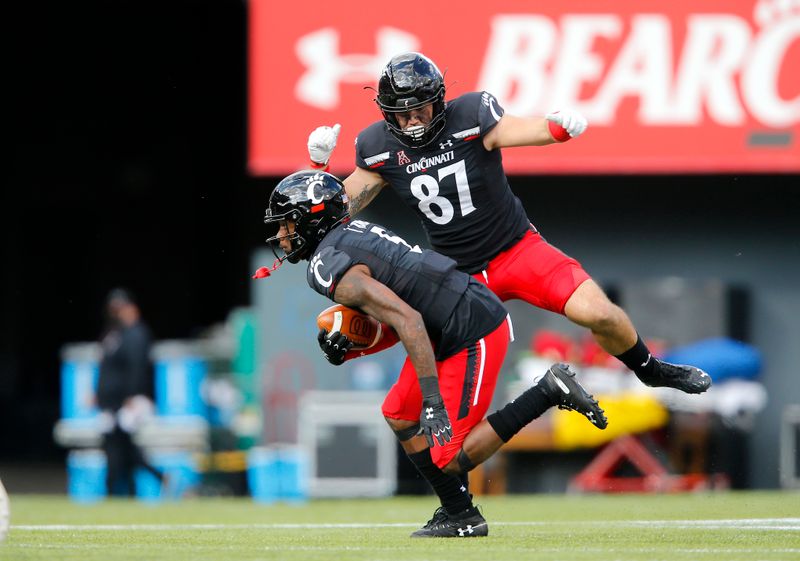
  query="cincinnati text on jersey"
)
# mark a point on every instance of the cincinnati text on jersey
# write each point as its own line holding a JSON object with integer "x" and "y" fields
{"x": 427, "y": 163}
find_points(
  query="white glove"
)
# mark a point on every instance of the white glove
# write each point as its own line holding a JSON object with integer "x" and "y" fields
{"x": 321, "y": 143}
{"x": 570, "y": 120}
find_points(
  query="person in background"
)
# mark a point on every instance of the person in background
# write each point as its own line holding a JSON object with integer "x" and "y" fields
{"x": 123, "y": 389}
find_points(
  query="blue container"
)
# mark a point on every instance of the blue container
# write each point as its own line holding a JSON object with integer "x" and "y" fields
{"x": 79, "y": 373}
{"x": 86, "y": 475}
{"x": 263, "y": 474}
{"x": 180, "y": 470}
{"x": 293, "y": 474}
{"x": 278, "y": 473}
{"x": 179, "y": 377}
{"x": 721, "y": 357}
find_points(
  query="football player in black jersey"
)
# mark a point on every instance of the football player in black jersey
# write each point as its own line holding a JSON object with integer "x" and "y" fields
{"x": 454, "y": 329}
{"x": 443, "y": 159}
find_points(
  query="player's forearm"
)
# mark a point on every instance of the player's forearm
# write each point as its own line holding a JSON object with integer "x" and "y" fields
{"x": 415, "y": 339}
{"x": 518, "y": 131}
{"x": 361, "y": 188}
{"x": 407, "y": 323}
{"x": 409, "y": 327}
{"x": 558, "y": 126}
{"x": 534, "y": 133}
{"x": 358, "y": 289}
{"x": 361, "y": 200}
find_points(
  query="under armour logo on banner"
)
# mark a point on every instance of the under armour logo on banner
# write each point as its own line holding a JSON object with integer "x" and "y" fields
{"x": 327, "y": 68}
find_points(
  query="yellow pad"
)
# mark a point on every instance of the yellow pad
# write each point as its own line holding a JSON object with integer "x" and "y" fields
{"x": 627, "y": 413}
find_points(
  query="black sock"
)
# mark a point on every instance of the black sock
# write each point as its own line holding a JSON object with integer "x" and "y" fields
{"x": 638, "y": 359}
{"x": 447, "y": 487}
{"x": 509, "y": 420}
{"x": 464, "y": 478}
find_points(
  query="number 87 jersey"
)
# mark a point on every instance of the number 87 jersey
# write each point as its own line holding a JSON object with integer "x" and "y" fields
{"x": 457, "y": 188}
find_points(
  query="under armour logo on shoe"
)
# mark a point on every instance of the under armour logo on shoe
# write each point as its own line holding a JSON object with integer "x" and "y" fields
{"x": 327, "y": 68}
{"x": 429, "y": 413}
{"x": 467, "y": 530}
{"x": 463, "y": 489}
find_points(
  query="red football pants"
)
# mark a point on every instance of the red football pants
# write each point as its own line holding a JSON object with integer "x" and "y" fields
{"x": 534, "y": 271}
{"x": 467, "y": 381}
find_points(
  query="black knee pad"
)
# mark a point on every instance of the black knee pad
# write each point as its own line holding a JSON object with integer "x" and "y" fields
{"x": 464, "y": 462}
{"x": 407, "y": 434}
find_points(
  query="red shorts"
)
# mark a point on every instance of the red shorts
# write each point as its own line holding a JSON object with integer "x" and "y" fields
{"x": 534, "y": 271}
{"x": 466, "y": 380}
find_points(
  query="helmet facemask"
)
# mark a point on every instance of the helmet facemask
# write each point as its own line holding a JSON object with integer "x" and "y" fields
{"x": 411, "y": 81}
{"x": 416, "y": 136}
{"x": 299, "y": 246}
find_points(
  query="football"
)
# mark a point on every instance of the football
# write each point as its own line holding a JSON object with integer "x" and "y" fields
{"x": 363, "y": 330}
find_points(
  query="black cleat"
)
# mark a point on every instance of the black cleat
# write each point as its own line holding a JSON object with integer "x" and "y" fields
{"x": 438, "y": 516}
{"x": 559, "y": 383}
{"x": 471, "y": 524}
{"x": 682, "y": 377}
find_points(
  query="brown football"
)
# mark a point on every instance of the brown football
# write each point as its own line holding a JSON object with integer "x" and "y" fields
{"x": 363, "y": 330}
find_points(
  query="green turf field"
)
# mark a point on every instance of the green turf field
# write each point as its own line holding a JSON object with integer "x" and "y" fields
{"x": 717, "y": 526}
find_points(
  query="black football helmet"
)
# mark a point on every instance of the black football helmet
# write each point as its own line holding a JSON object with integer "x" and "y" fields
{"x": 410, "y": 81}
{"x": 315, "y": 201}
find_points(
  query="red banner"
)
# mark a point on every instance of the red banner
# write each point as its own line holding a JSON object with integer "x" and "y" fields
{"x": 683, "y": 86}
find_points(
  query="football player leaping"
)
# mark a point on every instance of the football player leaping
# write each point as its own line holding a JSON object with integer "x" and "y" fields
{"x": 443, "y": 159}
{"x": 453, "y": 328}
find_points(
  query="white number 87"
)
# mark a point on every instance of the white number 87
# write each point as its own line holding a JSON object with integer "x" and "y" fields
{"x": 426, "y": 189}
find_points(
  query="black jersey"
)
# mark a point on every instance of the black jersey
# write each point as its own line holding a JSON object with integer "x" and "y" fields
{"x": 457, "y": 309}
{"x": 457, "y": 187}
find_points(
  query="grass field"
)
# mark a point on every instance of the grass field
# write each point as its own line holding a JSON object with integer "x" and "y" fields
{"x": 742, "y": 526}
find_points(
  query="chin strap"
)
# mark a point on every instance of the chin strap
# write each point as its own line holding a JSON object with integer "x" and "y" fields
{"x": 264, "y": 272}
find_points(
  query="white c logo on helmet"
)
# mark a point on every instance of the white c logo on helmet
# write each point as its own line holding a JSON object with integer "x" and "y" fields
{"x": 313, "y": 182}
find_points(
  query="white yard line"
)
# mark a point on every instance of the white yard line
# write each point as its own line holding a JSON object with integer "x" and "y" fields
{"x": 161, "y": 527}
{"x": 777, "y": 524}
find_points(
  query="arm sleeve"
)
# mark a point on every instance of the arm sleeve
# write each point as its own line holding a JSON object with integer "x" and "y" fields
{"x": 372, "y": 150}
{"x": 359, "y": 157}
{"x": 326, "y": 269}
{"x": 489, "y": 112}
